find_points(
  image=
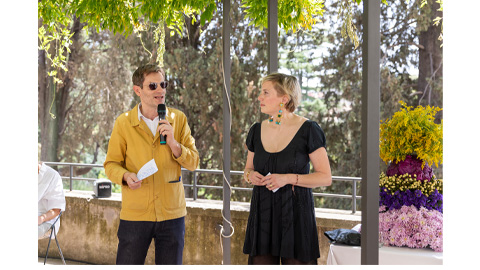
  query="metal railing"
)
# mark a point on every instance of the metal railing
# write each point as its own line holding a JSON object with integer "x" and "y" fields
{"x": 195, "y": 186}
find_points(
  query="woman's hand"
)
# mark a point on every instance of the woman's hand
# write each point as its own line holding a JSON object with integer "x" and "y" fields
{"x": 256, "y": 178}
{"x": 274, "y": 181}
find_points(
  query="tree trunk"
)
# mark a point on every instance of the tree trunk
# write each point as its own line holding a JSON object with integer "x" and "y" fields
{"x": 65, "y": 89}
{"x": 42, "y": 90}
{"x": 430, "y": 70}
{"x": 49, "y": 94}
{"x": 430, "y": 65}
{"x": 47, "y": 125}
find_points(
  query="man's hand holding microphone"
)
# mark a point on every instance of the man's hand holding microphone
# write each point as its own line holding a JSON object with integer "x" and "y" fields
{"x": 166, "y": 131}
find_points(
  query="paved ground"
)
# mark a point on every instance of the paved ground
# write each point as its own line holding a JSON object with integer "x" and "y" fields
{"x": 54, "y": 261}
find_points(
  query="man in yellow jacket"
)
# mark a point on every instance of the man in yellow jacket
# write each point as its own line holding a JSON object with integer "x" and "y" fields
{"x": 154, "y": 207}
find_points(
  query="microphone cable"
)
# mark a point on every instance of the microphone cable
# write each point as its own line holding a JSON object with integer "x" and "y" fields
{"x": 223, "y": 159}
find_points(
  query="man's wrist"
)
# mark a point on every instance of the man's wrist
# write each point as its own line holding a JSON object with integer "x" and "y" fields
{"x": 174, "y": 143}
{"x": 176, "y": 148}
{"x": 124, "y": 178}
{"x": 42, "y": 218}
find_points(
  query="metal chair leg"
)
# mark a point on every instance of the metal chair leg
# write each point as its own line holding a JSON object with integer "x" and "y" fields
{"x": 54, "y": 231}
{"x": 48, "y": 247}
{"x": 59, "y": 250}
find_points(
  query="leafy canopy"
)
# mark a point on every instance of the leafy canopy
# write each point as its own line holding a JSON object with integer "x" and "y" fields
{"x": 292, "y": 14}
{"x": 130, "y": 16}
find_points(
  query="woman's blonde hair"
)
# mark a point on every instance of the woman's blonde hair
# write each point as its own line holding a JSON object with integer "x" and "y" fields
{"x": 286, "y": 85}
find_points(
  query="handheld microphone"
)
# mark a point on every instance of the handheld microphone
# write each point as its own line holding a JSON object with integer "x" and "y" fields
{"x": 162, "y": 112}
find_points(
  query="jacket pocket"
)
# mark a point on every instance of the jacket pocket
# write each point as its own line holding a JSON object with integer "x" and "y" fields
{"x": 135, "y": 199}
{"x": 175, "y": 195}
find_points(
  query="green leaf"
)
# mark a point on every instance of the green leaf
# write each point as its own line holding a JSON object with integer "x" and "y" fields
{"x": 207, "y": 14}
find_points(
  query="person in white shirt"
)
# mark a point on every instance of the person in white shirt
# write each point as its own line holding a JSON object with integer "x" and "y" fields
{"x": 51, "y": 199}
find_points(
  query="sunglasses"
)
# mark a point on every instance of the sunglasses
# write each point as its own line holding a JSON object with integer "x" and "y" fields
{"x": 154, "y": 86}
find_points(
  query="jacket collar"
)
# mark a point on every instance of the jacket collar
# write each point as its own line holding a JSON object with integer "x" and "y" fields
{"x": 134, "y": 117}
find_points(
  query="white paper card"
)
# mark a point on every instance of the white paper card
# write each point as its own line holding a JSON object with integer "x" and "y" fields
{"x": 148, "y": 169}
{"x": 273, "y": 190}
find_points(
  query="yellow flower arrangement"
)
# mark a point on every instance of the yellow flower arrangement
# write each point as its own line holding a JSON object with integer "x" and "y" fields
{"x": 407, "y": 181}
{"x": 412, "y": 131}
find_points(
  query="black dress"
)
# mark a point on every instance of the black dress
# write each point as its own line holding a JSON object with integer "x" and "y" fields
{"x": 283, "y": 223}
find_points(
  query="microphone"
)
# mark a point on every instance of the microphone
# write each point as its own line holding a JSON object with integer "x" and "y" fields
{"x": 162, "y": 112}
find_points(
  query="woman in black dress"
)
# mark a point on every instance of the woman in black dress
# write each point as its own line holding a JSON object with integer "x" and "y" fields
{"x": 281, "y": 226}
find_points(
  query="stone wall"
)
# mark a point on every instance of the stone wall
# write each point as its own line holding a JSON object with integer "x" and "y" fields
{"x": 89, "y": 226}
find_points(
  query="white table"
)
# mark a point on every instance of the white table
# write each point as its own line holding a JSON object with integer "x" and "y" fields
{"x": 343, "y": 254}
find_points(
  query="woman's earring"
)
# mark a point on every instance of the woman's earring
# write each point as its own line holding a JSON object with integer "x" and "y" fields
{"x": 280, "y": 114}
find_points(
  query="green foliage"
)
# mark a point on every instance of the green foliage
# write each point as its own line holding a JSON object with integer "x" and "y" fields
{"x": 331, "y": 84}
{"x": 118, "y": 16}
{"x": 129, "y": 16}
{"x": 197, "y": 89}
{"x": 412, "y": 131}
{"x": 348, "y": 27}
{"x": 292, "y": 14}
{"x": 437, "y": 19}
{"x": 337, "y": 107}
{"x": 383, "y": 1}
{"x": 54, "y": 36}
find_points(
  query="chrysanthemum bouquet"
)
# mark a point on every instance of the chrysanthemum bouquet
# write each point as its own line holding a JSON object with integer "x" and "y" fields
{"x": 411, "y": 227}
{"x": 411, "y": 197}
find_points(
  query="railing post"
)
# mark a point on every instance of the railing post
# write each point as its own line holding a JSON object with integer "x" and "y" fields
{"x": 354, "y": 196}
{"x": 194, "y": 185}
{"x": 71, "y": 179}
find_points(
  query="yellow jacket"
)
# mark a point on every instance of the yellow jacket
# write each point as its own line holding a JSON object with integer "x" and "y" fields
{"x": 131, "y": 145}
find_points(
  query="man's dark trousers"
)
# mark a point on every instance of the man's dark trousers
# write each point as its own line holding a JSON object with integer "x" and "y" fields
{"x": 134, "y": 238}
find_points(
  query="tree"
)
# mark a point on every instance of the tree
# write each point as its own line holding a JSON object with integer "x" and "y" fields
{"x": 196, "y": 73}
{"x": 60, "y": 23}
{"x": 430, "y": 64}
{"x": 94, "y": 91}
{"x": 331, "y": 81}
{"x": 337, "y": 103}
{"x": 53, "y": 109}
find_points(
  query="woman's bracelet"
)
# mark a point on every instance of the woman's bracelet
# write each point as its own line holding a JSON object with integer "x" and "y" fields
{"x": 247, "y": 175}
{"x": 296, "y": 181}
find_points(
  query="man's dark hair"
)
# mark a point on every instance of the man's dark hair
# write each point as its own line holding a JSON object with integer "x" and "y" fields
{"x": 139, "y": 75}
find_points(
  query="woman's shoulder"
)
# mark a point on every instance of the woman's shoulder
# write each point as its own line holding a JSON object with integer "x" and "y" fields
{"x": 303, "y": 121}
{"x": 256, "y": 124}
{"x": 309, "y": 122}
{"x": 311, "y": 127}
{"x": 253, "y": 128}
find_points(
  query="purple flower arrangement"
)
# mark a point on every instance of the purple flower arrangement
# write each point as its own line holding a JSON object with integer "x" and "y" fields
{"x": 410, "y": 165}
{"x": 411, "y": 206}
{"x": 434, "y": 201}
